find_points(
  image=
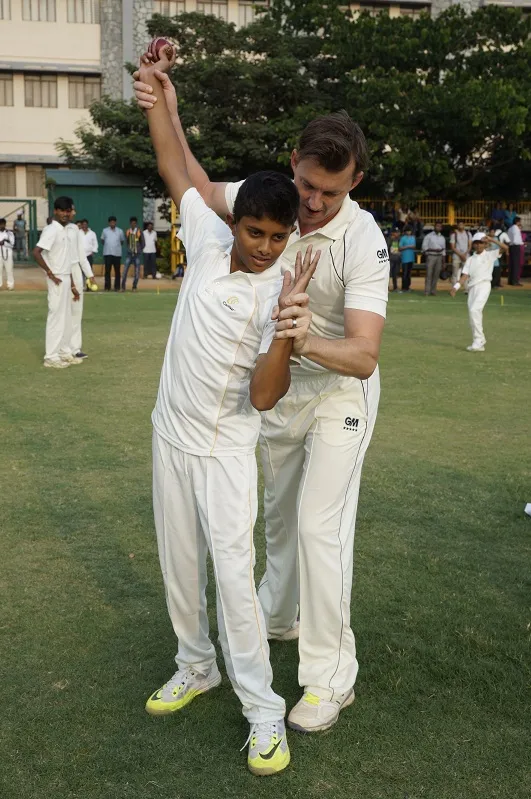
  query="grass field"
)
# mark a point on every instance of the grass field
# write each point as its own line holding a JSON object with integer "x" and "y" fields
{"x": 441, "y": 602}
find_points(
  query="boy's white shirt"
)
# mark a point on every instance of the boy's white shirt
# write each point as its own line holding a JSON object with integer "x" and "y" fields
{"x": 221, "y": 324}
{"x": 56, "y": 250}
{"x": 76, "y": 240}
{"x": 479, "y": 266}
{"x": 353, "y": 270}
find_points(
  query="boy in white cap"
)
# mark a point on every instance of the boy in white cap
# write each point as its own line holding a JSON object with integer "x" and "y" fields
{"x": 478, "y": 270}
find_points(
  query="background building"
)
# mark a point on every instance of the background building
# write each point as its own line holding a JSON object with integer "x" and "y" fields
{"x": 57, "y": 56}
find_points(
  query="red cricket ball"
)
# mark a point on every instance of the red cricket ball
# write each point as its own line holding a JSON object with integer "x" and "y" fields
{"x": 156, "y": 45}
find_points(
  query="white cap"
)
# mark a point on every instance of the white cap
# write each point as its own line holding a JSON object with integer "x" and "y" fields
{"x": 478, "y": 236}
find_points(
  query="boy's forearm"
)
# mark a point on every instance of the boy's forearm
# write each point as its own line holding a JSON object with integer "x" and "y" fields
{"x": 197, "y": 174}
{"x": 168, "y": 147}
{"x": 271, "y": 377}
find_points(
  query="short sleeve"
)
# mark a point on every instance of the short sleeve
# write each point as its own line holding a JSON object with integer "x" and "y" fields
{"x": 231, "y": 190}
{"x": 48, "y": 236}
{"x": 367, "y": 271}
{"x": 466, "y": 268}
{"x": 200, "y": 226}
{"x": 494, "y": 254}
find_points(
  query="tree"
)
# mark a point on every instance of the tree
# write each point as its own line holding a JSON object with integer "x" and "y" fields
{"x": 445, "y": 103}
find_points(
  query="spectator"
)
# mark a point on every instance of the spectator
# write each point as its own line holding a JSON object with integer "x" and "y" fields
{"x": 90, "y": 241}
{"x": 112, "y": 238}
{"x": 19, "y": 229}
{"x": 498, "y": 215}
{"x": 516, "y": 246}
{"x": 393, "y": 245}
{"x": 416, "y": 223}
{"x": 461, "y": 246}
{"x": 434, "y": 247}
{"x": 407, "y": 246}
{"x": 150, "y": 251}
{"x": 402, "y": 216}
{"x": 501, "y": 236}
{"x": 372, "y": 210}
{"x": 389, "y": 215}
{"x": 522, "y": 258}
{"x": 7, "y": 242}
{"x": 135, "y": 241}
{"x": 510, "y": 215}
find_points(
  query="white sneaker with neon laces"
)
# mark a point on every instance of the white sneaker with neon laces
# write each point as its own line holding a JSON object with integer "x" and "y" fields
{"x": 268, "y": 748}
{"x": 183, "y": 687}
{"x": 313, "y": 714}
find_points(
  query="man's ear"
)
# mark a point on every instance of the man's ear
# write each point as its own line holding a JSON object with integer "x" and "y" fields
{"x": 294, "y": 160}
{"x": 357, "y": 180}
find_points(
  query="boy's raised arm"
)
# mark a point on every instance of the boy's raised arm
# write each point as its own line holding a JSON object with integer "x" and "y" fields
{"x": 171, "y": 161}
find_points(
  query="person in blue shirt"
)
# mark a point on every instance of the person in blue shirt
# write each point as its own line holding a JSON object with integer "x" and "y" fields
{"x": 112, "y": 238}
{"x": 510, "y": 215}
{"x": 407, "y": 246}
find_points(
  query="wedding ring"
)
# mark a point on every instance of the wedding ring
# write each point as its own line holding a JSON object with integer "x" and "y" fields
{"x": 294, "y": 323}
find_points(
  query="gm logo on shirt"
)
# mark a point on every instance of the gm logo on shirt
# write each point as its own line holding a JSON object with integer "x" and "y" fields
{"x": 382, "y": 255}
{"x": 351, "y": 424}
{"x": 230, "y": 302}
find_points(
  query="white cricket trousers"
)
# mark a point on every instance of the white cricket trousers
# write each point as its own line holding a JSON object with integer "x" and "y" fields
{"x": 208, "y": 504}
{"x": 477, "y": 299}
{"x": 313, "y": 444}
{"x": 59, "y": 321}
{"x": 6, "y": 262}
{"x": 77, "y": 309}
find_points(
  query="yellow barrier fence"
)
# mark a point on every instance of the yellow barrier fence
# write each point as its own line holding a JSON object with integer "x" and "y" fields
{"x": 475, "y": 212}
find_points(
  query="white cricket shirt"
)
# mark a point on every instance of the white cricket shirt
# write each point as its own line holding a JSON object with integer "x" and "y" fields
{"x": 56, "y": 250}
{"x": 90, "y": 242}
{"x": 221, "y": 324}
{"x": 353, "y": 271}
{"x": 150, "y": 241}
{"x": 479, "y": 266}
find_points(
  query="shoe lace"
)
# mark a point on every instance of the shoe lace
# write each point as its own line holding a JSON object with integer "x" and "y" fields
{"x": 179, "y": 679}
{"x": 263, "y": 732}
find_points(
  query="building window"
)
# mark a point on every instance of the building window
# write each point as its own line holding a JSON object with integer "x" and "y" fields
{"x": 38, "y": 10}
{"x": 374, "y": 9}
{"x": 247, "y": 12}
{"x": 169, "y": 8}
{"x": 35, "y": 185}
{"x": 87, "y": 11}
{"x": 217, "y": 9}
{"x": 83, "y": 91}
{"x": 6, "y": 88}
{"x": 5, "y": 9}
{"x": 8, "y": 181}
{"x": 413, "y": 12}
{"x": 40, "y": 91}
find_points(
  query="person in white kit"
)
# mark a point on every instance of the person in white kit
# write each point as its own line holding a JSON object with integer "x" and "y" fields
{"x": 7, "y": 243}
{"x": 315, "y": 439}
{"x": 53, "y": 254}
{"x": 221, "y": 366}
{"x": 478, "y": 271}
{"x": 81, "y": 269}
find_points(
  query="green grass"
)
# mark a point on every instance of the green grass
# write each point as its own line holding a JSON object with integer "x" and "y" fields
{"x": 441, "y": 604}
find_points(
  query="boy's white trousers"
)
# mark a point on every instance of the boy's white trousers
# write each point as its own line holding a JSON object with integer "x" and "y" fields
{"x": 313, "y": 444}
{"x": 6, "y": 262}
{"x": 59, "y": 321}
{"x": 77, "y": 309}
{"x": 206, "y": 504}
{"x": 477, "y": 299}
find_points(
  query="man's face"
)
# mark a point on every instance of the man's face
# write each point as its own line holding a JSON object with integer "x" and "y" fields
{"x": 112, "y": 224}
{"x": 321, "y": 192}
{"x": 63, "y": 217}
{"x": 461, "y": 227}
{"x": 133, "y": 224}
{"x": 2, "y": 226}
{"x": 258, "y": 242}
{"x": 150, "y": 227}
{"x": 438, "y": 227}
{"x": 84, "y": 226}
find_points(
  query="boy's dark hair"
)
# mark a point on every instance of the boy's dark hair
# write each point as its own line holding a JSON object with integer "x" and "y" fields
{"x": 111, "y": 219}
{"x": 133, "y": 219}
{"x": 516, "y": 219}
{"x": 63, "y": 204}
{"x": 334, "y": 141}
{"x": 408, "y": 230}
{"x": 268, "y": 194}
{"x": 2, "y": 221}
{"x": 84, "y": 220}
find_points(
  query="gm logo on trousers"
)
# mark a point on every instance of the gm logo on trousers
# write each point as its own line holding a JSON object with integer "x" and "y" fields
{"x": 351, "y": 424}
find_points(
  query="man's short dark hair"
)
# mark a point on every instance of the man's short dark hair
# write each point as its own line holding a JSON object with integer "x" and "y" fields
{"x": 133, "y": 219}
{"x": 84, "y": 220}
{"x": 438, "y": 222}
{"x": 334, "y": 141}
{"x": 111, "y": 219}
{"x": 516, "y": 219}
{"x": 63, "y": 204}
{"x": 408, "y": 230}
{"x": 2, "y": 221}
{"x": 268, "y": 194}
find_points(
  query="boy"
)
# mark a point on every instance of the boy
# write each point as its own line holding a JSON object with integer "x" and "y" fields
{"x": 52, "y": 254}
{"x": 135, "y": 241}
{"x": 394, "y": 256}
{"x": 112, "y": 238}
{"x": 80, "y": 267}
{"x": 222, "y": 366}
{"x": 407, "y": 246}
{"x": 7, "y": 242}
{"x": 478, "y": 269}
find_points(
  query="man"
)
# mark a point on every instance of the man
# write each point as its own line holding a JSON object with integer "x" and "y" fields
{"x": 112, "y": 238}
{"x": 134, "y": 241}
{"x": 407, "y": 246}
{"x": 499, "y": 235}
{"x": 52, "y": 254}
{"x": 314, "y": 441}
{"x": 461, "y": 245}
{"x": 80, "y": 267}
{"x": 90, "y": 242}
{"x": 498, "y": 214}
{"x": 7, "y": 242}
{"x": 434, "y": 248}
{"x": 516, "y": 244}
{"x": 19, "y": 229}
{"x": 150, "y": 251}
{"x": 393, "y": 246}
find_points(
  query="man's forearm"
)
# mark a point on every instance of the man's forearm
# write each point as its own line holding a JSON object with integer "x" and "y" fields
{"x": 353, "y": 357}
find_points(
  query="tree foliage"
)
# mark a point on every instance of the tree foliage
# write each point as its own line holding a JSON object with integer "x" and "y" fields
{"x": 445, "y": 103}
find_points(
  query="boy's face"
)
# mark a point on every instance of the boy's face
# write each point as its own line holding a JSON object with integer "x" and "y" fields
{"x": 73, "y": 213}
{"x": 258, "y": 242}
{"x": 395, "y": 234}
{"x": 84, "y": 226}
{"x": 150, "y": 227}
{"x": 63, "y": 217}
{"x": 2, "y": 225}
{"x": 480, "y": 246}
{"x": 461, "y": 227}
{"x": 438, "y": 227}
